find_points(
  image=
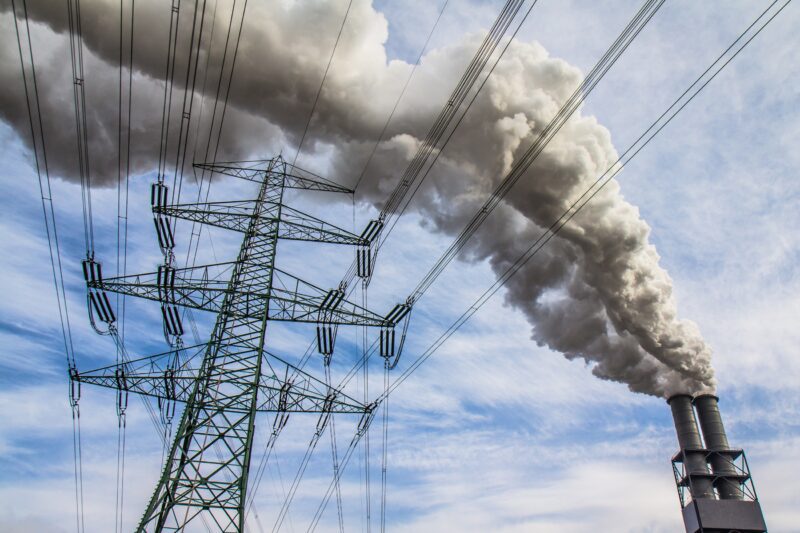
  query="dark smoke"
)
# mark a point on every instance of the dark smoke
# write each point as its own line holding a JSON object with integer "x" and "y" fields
{"x": 596, "y": 292}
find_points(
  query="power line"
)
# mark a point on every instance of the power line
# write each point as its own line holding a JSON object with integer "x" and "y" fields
{"x": 48, "y": 214}
{"x": 439, "y": 128}
{"x": 457, "y": 97}
{"x": 200, "y": 182}
{"x": 188, "y": 96}
{"x": 360, "y": 432}
{"x": 385, "y": 445}
{"x": 659, "y": 124}
{"x": 169, "y": 82}
{"x": 335, "y": 455}
{"x": 79, "y": 100}
{"x": 442, "y": 123}
{"x": 213, "y": 118}
{"x": 122, "y": 205}
{"x": 122, "y": 237}
{"x": 321, "y": 83}
{"x": 230, "y": 81}
{"x": 634, "y": 27}
{"x": 400, "y": 96}
{"x": 628, "y": 34}
{"x": 618, "y": 47}
{"x": 367, "y": 491}
{"x": 406, "y": 200}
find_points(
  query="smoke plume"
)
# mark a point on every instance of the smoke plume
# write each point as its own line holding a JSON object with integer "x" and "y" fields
{"x": 596, "y": 292}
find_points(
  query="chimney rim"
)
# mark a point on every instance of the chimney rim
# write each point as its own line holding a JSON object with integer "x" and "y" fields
{"x": 705, "y": 395}
{"x": 680, "y": 395}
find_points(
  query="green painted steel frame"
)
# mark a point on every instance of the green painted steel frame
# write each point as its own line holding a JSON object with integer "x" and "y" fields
{"x": 221, "y": 407}
{"x": 171, "y": 376}
{"x": 236, "y": 215}
{"x": 193, "y": 288}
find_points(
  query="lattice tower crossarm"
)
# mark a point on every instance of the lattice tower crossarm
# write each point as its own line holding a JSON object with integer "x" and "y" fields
{"x": 235, "y": 215}
{"x": 165, "y": 377}
{"x": 293, "y": 299}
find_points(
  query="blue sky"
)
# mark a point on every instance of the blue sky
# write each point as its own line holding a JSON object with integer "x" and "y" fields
{"x": 493, "y": 432}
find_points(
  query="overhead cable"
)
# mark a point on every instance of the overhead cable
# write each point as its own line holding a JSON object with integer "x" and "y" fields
{"x": 122, "y": 242}
{"x": 169, "y": 83}
{"x": 400, "y": 97}
{"x": 322, "y": 83}
{"x": 217, "y": 96}
{"x": 628, "y": 34}
{"x": 634, "y": 27}
{"x": 32, "y": 103}
{"x": 441, "y": 124}
{"x": 755, "y": 28}
{"x": 188, "y": 101}
{"x": 79, "y": 101}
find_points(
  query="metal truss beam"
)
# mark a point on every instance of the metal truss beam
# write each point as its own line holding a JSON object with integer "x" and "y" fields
{"x": 166, "y": 377}
{"x": 236, "y": 215}
{"x": 206, "y": 471}
{"x": 295, "y": 177}
{"x": 221, "y": 407}
{"x": 291, "y": 298}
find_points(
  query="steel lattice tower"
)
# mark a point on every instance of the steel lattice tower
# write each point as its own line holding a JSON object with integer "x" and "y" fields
{"x": 232, "y": 383}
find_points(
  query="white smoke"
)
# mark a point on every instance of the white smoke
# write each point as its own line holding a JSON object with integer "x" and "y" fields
{"x": 596, "y": 292}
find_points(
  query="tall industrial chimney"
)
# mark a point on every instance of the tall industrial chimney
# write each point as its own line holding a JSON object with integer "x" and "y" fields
{"x": 716, "y": 441}
{"x": 721, "y": 496}
{"x": 694, "y": 458}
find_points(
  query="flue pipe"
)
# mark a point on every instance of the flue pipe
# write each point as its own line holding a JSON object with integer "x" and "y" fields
{"x": 694, "y": 459}
{"x": 717, "y": 441}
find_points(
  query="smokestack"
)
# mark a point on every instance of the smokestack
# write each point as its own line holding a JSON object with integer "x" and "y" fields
{"x": 737, "y": 508}
{"x": 716, "y": 441}
{"x": 694, "y": 457}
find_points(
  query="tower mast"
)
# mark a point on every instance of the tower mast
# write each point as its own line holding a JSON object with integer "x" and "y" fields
{"x": 206, "y": 471}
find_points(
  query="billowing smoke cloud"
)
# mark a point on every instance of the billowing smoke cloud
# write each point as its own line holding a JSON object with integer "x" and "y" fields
{"x": 596, "y": 292}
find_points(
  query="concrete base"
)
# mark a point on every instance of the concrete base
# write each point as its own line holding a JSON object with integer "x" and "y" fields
{"x": 718, "y": 516}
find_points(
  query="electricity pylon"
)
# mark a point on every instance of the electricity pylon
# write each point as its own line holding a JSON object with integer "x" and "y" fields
{"x": 232, "y": 383}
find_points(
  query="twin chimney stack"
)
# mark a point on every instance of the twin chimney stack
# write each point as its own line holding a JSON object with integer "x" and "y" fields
{"x": 714, "y": 485}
